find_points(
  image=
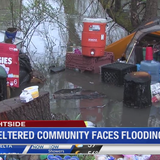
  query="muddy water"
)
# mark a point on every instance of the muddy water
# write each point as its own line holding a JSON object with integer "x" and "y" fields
{"x": 104, "y": 112}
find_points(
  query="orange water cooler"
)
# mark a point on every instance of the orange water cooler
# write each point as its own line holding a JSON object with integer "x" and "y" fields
{"x": 94, "y": 37}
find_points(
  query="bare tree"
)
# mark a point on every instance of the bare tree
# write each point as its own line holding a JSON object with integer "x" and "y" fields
{"x": 117, "y": 5}
{"x": 138, "y": 12}
{"x": 69, "y": 9}
{"x": 151, "y": 9}
{"x": 134, "y": 13}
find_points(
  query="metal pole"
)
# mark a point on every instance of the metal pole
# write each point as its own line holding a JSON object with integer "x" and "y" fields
{"x": 131, "y": 51}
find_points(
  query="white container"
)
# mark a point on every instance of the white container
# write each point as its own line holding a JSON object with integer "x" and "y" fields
{"x": 89, "y": 124}
{"x": 100, "y": 157}
{"x": 25, "y": 97}
{"x": 95, "y": 20}
{"x": 33, "y": 90}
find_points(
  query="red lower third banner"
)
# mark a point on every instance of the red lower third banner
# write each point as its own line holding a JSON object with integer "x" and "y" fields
{"x": 44, "y": 123}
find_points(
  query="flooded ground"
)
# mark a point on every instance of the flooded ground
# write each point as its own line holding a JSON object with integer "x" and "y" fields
{"x": 104, "y": 112}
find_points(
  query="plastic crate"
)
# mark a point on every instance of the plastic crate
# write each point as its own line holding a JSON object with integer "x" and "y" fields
{"x": 137, "y": 93}
{"x": 114, "y": 73}
{"x": 85, "y": 63}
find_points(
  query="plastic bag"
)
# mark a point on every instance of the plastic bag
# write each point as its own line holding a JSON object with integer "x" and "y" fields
{"x": 100, "y": 157}
{"x": 143, "y": 157}
{"x": 129, "y": 157}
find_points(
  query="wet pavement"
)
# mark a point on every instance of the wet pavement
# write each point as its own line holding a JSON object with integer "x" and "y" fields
{"x": 104, "y": 112}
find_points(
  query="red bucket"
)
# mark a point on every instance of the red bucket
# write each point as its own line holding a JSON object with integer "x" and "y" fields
{"x": 149, "y": 53}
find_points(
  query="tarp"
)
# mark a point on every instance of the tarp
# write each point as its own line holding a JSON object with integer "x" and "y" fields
{"x": 126, "y": 45}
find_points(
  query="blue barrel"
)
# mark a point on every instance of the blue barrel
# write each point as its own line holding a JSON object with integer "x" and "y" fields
{"x": 11, "y": 34}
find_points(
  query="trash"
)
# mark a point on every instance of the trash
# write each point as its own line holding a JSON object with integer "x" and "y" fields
{"x": 89, "y": 124}
{"x": 155, "y": 88}
{"x": 77, "y": 70}
{"x": 143, "y": 157}
{"x": 156, "y": 98}
{"x": 29, "y": 93}
{"x": 75, "y": 158}
{"x": 110, "y": 158}
{"x": 100, "y": 157}
{"x": 129, "y": 157}
{"x": 56, "y": 69}
{"x": 118, "y": 60}
{"x": 25, "y": 96}
{"x": 59, "y": 157}
{"x": 138, "y": 67}
{"x": 67, "y": 157}
{"x": 33, "y": 90}
{"x": 155, "y": 92}
{"x": 52, "y": 157}
{"x": 77, "y": 51}
{"x": 77, "y": 93}
{"x": 43, "y": 157}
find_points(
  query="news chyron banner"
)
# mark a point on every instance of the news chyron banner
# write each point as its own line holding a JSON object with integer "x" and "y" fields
{"x": 73, "y": 137}
{"x": 50, "y": 149}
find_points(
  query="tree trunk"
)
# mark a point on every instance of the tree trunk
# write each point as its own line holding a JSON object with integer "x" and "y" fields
{"x": 117, "y": 14}
{"x": 37, "y": 109}
{"x": 151, "y": 9}
{"x": 69, "y": 9}
{"x": 134, "y": 16}
{"x": 117, "y": 5}
{"x": 130, "y": 20}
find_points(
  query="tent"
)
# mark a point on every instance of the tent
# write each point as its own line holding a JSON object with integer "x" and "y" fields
{"x": 148, "y": 33}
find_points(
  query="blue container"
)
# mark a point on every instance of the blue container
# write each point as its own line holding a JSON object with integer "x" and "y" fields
{"x": 110, "y": 158}
{"x": 138, "y": 67}
{"x": 59, "y": 157}
{"x": 74, "y": 158}
{"x": 67, "y": 157}
{"x": 52, "y": 157}
{"x": 11, "y": 34}
{"x": 150, "y": 66}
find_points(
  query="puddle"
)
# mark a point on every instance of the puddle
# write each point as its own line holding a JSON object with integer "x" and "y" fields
{"x": 104, "y": 112}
